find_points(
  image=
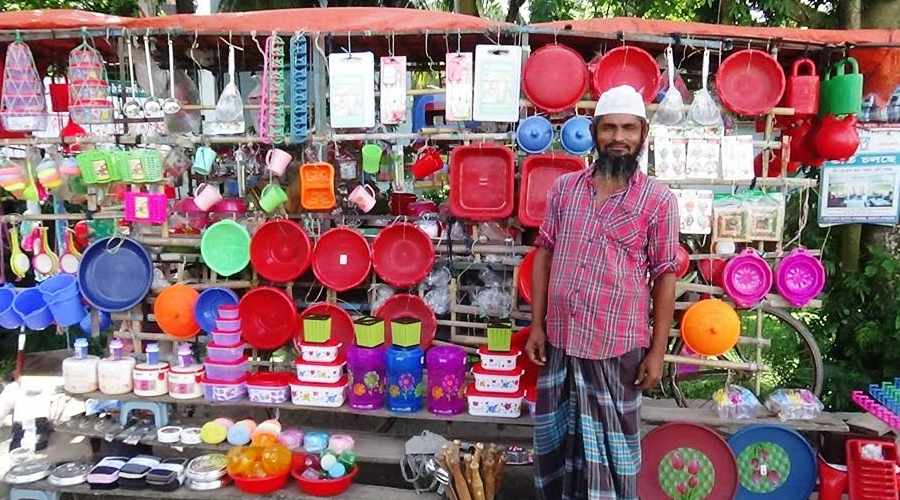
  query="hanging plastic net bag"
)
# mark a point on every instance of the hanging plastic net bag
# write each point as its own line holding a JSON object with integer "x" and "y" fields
{"x": 22, "y": 105}
{"x": 671, "y": 109}
{"x": 704, "y": 110}
{"x": 89, "y": 101}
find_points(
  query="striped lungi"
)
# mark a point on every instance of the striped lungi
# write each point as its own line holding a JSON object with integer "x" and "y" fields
{"x": 587, "y": 427}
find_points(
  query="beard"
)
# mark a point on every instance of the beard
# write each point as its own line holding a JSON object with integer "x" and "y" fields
{"x": 621, "y": 166}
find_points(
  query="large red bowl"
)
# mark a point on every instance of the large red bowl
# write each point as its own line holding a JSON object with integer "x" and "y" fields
{"x": 525, "y": 270}
{"x": 554, "y": 78}
{"x": 626, "y": 66}
{"x": 280, "y": 250}
{"x": 750, "y": 82}
{"x": 261, "y": 485}
{"x": 268, "y": 318}
{"x": 402, "y": 254}
{"x": 404, "y": 305}
{"x": 324, "y": 487}
{"x": 342, "y": 259}
{"x": 341, "y": 324}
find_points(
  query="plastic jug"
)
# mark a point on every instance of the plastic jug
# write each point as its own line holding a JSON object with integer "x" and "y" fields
{"x": 837, "y": 138}
{"x": 367, "y": 377}
{"x": 841, "y": 90}
{"x": 802, "y": 92}
{"x": 406, "y": 386}
{"x": 446, "y": 380}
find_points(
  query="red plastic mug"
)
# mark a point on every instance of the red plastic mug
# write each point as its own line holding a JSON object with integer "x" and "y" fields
{"x": 400, "y": 203}
{"x": 428, "y": 161}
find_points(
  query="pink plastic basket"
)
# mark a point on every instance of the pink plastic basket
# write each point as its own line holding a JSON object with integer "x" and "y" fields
{"x": 147, "y": 208}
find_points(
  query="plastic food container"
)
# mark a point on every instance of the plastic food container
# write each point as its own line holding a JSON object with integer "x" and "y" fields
{"x": 497, "y": 381}
{"x": 499, "y": 361}
{"x": 80, "y": 370}
{"x": 224, "y": 353}
{"x": 226, "y": 372}
{"x": 228, "y": 325}
{"x": 324, "y": 487}
{"x": 114, "y": 376}
{"x": 184, "y": 382}
{"x": 150, "y": 379}
{"x": 220, "y": 391}
{"x": 229, "y": 311}
{"x": 226, "y": 338}
{"x": 269, "y": 387}
{"x": 326, "y": 395}
{"x": 794, "y": 404}
{"x": 493, "y": 404}
{"x": 320, "y": 373}
{"x": 326, "y": 352}
{"x": 261, "y": 485}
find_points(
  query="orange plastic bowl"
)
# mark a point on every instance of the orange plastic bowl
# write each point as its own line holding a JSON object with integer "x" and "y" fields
{"x": 710, "y": 327}
{"x": 174, "y": 311}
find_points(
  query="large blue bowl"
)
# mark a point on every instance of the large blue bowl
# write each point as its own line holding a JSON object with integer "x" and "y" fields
{"x": 575, "y": 135}
{"x": 115, "y": 274}
{"x": 206, "y": 310}
{"x": 534, "y": 134}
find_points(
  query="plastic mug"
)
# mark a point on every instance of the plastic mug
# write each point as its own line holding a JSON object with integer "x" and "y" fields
{"x": 371, "y": 156}
{"x": 272, "y": 197}
{"x": 205, "y": 196}
{"x": 427, "y": 162}
{"x": 204, "y": 158}
{"x": 277, "y": 161}
{"x": 363, "y": 196}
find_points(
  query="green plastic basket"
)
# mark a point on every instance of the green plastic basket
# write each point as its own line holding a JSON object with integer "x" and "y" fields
{"x": 406, "y": 332}
{"x": 499, "y": 336}
{"x": 369, "y": 331}
{"x": 139, "y": 165}
{"x": 317, "y": 328}
{"x": 97, "y": 167}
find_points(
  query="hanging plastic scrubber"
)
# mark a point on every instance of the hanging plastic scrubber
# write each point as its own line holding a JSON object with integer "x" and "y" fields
{"x": 272, "y": 103}
{"x": 22, "y": 106}
{"x": 299, "y": 89}
{"x": 229, "y": 112}
{"x": 88, "y": 86}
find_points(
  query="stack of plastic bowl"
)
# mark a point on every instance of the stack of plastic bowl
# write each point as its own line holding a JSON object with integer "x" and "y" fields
{"x": 225, "y": 365}
{"x": 60, "y": 293}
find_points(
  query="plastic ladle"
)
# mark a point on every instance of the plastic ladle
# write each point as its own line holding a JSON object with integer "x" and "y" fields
{"x": 70, "y": 258}
{"x": 131, "y": 108}
{"x": 18, "y": 261}
{"x": 171, "y": 105}
{"x": 45, "y": 261}
{"x": 152, "y": 106}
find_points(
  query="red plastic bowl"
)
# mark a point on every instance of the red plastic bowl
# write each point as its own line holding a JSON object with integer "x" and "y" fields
{"x": 750, "y": 82}
{"x": 262, "y": 485}
{"x": 402, "y": 254}
{"x": 682, "y": 261}
{"x": 268, "y": 318}
{"x": 341, "y": 325}
{"x": 410, "y": 306}
{"x": 280, "y": 250}
{"x": 539, "y": 172}
{"x": 342, "y": 259}
{"x": 712, "y": 270}
{"x": 626, "y": 66}
{"x": 525, "y": 270}
{"x": 555, "y": 78}
{"x": 324, "y": 487}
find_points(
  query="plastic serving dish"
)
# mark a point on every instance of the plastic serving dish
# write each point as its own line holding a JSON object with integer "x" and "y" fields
{"x": 219, "y": 391}
{"x": 317, "y": 186}
{"x": 320, "y": 373}
{"x": 269, "y": 387}
{"x": 224, "y": 354}
{"x": 497, "y": 381}
{"x": 492, "y": 404}
{"x": 320, "y": 353}
{"x": 482, "y": 179}
{"x": 498, "y": 361}
{"x": 226, "y": 372}
{"x": 539, "y": 172}
{"x": 326, "y": 395}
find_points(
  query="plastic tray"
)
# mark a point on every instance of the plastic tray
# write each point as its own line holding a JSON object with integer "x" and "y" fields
{"x": 539, "y": 172}
{"x": 482, "y": 181}
{"x": 872, "y": 479}
{"x": 317, "y": 186}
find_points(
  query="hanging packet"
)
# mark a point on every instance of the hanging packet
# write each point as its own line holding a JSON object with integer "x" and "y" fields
{"x": 458, "y": 97}
{"x": 671, "y": 109}
{"x": 393, "y": 90}
{"x": 704, "y": 110}
{"x": 351, "y": 88}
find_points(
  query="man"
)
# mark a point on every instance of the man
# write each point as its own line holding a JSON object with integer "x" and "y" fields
{"x": 606, "y": 246}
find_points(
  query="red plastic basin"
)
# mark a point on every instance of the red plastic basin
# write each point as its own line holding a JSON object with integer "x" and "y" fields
{"x": 280, "y": 250}
{"x": 555, "y": 77}
{"x": 482, "y": 178}
{"x": 260, "y": 486}
{"x": 626, "y": 66}
{"x": 539, "y": 172}
{"x": 750, "y": 82}
{"x": 324, "y": 487}
{"x": 404, "y": 305}
{"x": 342, "y": 259}
{"x": 524, "y": 281}
{"x": 268, "y": 318}
{"x": 402, "y": 255}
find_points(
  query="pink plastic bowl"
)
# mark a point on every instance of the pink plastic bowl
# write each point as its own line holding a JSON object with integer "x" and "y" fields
{"x": 799, "y": 277}
{"x": 747, "y": 278}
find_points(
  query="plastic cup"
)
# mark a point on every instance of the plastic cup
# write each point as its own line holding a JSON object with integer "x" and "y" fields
{"x": 272, "y": 197}
{"x": 371, "y": 155}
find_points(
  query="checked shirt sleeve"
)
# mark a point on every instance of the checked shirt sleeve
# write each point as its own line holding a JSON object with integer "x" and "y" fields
{"x": 663, "y": 236}
{"x": 547, "y": 233}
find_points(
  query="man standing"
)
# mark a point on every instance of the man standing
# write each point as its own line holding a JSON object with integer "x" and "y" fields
{"x": 607, "y": 245}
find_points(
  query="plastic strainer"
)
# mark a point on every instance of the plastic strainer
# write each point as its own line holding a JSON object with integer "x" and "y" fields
{"x": 671, "y": 108}
{"x": 799, "y": 277}
{"x": 225, "y": 247}
{"x": 704, "y": 110}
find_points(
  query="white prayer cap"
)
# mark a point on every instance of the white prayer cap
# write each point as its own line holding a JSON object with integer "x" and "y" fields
{"x": 621, "y": 100}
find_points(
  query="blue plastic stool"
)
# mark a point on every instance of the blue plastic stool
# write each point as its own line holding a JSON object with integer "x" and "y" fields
{"x": 29, "y": 494}
{"x": 160, "y": 411}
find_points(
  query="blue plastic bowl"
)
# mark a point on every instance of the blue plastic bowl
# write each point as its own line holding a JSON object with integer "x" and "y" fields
{"x": 206, "y": 310}
{"x": 30, "y": 305}
{"x": 534, "y": 134}
{"x": 575, "y": 136}
{"x": 115, "y": 274}
{"x": 9, "y": 318}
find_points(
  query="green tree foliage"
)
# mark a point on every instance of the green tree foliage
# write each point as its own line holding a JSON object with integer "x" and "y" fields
{"x": 115, "y": 7}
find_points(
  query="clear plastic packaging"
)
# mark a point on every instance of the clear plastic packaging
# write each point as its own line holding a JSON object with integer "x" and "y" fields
{"x": 794, "y": 404}
{"x": 378, "y": 294}
{"x": 671, "y": 108}
{"x": 704, "y": 110}
{"x": 440, "y": 277}
{"x": 493, "y": 302}
{"x": 438, "y": 300}
{"x": 735, "y": 401}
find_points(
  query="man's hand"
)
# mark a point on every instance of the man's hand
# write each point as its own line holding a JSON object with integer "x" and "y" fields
{"x": 650, "y": 371}
{"x": 534, "y": 348}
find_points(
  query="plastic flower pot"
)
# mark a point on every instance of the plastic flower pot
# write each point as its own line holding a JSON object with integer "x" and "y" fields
{"x": 369, "y": 331}
{"x": 406, "y": 332}
{"x": 499, "y": 336}
{"x": 317, "y": 328}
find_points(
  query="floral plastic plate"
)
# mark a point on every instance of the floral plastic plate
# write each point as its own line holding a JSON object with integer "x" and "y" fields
{"x": 774, "y": 462}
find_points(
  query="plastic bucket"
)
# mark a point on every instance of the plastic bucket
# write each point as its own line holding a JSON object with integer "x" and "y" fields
{"x": 61, "y": 286}
{"x": 9, "y": 318}
{"x": 30, "y": 305}
{"x": 66, "y": 311}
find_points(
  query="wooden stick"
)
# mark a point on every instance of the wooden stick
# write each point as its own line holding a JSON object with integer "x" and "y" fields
{"x": 487, "y": 474}
{"x": 451, "y": 456}
{"x": 450, "y": 488}
{"x": 476, "y": 484}
{"x": 498, "y": 471}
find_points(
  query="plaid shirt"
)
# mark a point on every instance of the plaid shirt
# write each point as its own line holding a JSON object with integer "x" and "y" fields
{"x": 604, "y": 261}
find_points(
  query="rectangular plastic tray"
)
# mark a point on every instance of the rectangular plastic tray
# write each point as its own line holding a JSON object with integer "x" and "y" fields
{"x": 482, "y": 181}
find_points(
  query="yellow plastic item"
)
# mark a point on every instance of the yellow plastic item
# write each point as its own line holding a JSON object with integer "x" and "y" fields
{"x": 276, "y": 460}
{"x": 213, "y": 433}
{"x": 264, "y": 439}
{"x": 710, "y": 327}
{"x": 317, "y": 186}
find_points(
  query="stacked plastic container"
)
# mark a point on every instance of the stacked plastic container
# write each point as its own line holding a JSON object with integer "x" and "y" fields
{"x": 497, "y": 391}
{"x": 320, "y": 379}
{"x": 446, "y": 380}
{"x": 366, "y": 364}
{"x": 225, "y": 365}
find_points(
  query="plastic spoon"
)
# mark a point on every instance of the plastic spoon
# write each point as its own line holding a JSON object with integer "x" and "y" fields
{"x": 152, "y": 106}
{"x": 70, "y": 258}
{"x": 171, "y": 105}
{"x": 132, "y": 108}
{"x": 45, "y": 261}
{"x": 18, "y": 261}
